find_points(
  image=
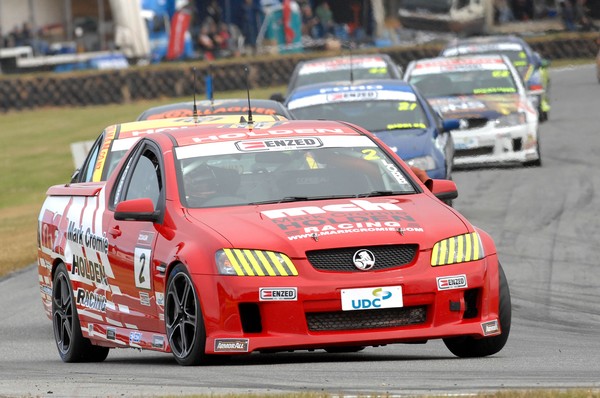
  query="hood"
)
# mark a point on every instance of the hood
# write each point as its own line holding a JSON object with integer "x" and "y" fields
{"x": 296, "y": 227}
{"x": 408, "y": 143}
{"x": 477, "y": 106}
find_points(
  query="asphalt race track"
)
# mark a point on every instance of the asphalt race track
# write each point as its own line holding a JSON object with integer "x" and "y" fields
{"x": 546, "y": 223}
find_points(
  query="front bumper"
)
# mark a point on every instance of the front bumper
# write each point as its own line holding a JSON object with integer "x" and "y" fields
{"x": 489, "y": 144}
{"x": 238, "y": 320}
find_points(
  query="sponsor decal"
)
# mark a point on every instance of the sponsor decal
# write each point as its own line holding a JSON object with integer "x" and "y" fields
{"x": 158, "y": 341}
{"x": 352, "y": 96}
{"x": 89, "y": 270}
{"x": 490, "y": 328}
{"x": 257, "y": 133}
{"x": 284, "y": 144}
{"x": 364, "y": 260}
{"x": 144, "y": 299}
{"x": 91, "y": 300}
{"x": 145, "y": 238}
{"x": 86, "y": 238}
{"x": 451, "y": 282}
{"x": 90, "y": 328}
{"x": 49, "y": 229}
{"x": 347, "y": 89}
{"x": 231, "y": 345}
{"x": 358, "y": 216}
{"x": 372, "y": 298}
{"x": 160, "y": 299}
{"x": 111, "y": 333}
{"x": 278, "y": 293}
{"x": 353, "y": 206}
{"x": 110, "y": 134}
{"x": 46, "y": 289}
{"x": 135, "y": 337}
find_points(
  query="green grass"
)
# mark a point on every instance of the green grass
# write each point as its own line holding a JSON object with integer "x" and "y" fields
{"x": 36, "y": 154}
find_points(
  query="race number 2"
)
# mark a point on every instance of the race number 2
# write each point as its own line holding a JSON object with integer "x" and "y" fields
{"x": 141, "y": 267}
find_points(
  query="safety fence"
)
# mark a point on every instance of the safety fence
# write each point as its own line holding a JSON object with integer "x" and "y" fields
{"x": 18, "y": 92}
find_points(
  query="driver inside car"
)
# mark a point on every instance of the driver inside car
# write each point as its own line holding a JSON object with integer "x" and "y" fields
{"x": 201, "y": 182}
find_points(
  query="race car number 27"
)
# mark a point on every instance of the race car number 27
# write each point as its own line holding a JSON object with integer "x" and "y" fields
{"x": 141, "y": 267}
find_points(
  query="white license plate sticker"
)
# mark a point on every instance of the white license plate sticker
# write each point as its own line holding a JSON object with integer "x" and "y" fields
{"x": 372, "y": 298}
{"x": 466, "y": 143}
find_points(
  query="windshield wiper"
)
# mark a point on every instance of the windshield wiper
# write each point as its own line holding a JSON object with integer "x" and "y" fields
{"x": 382, "y": 193}
{"x": 301, "y": 199}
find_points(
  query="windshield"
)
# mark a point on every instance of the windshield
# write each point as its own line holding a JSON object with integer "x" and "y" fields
{"x": 513, "y": 51}
{"x": 343, "y": 75}
{"x": 357, "y": 168}
{"x": 472, "y": 82}
{"x": 437, "y": 6}
{"x": 372, "y": 115}
{"x": 343, "y": 69}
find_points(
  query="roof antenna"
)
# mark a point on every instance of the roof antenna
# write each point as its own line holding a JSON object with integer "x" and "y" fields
{"x": 250, "y": 122}
{"x": 195, "y": 107}
{"x": 351, "y": 66}
{"x": 209, "y": 87}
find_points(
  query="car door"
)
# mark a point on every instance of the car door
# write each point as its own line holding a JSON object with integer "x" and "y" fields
{"x": 134, "y": 303}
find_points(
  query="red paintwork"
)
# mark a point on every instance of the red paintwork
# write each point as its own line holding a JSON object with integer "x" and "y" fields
{"x": 135, "y": 316}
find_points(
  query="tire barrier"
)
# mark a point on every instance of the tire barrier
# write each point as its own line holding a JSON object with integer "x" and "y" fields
{"x": 19, "y": 92}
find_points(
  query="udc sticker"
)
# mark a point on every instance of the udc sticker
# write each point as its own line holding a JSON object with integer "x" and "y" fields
{"x": 372, "y": 298}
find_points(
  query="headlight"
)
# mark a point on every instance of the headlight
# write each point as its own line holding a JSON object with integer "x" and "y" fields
{"x": 458, "y": 249}
{"x": 514, "y": 119}
{"x": 245, "y": 262}
{"x": 424, "y": 162}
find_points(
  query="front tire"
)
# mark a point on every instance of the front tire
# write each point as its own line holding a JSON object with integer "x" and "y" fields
{"x": 183, "y": 319}
{"x": 538, "y": 161}
{"x": 469, "y": 347}
{"x": 72, "y": 346}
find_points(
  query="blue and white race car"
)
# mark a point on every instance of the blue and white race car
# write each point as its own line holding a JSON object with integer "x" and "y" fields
{"x": 391, "y": 109}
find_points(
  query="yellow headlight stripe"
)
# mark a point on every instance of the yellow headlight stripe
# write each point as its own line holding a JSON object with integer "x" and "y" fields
{"x": 460, "y": 247}
{"x": 234, "y": 262}
{"x": 242, "y": 260}
{"x": 290, "y": 265}
{"x": 457, "y": 249}
{"x": 443, "y": 252}
{"x": 275, "y": 261}
{"x": 255, "y": 265}
{"x": 476, "y": 246}
{"x": 451, "y": 251}
{"x": 266, "y": 263}
{"x": 468, "y": 247}
{"x": 435, "y": 253}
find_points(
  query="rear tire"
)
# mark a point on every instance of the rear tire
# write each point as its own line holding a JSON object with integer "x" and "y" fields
{"x": 469, "y": 347}
{"x": 72, "y": 346}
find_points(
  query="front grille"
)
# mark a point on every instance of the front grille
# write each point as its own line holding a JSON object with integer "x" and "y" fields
{"x": 485, "y": 150}
{"x": 476, "y": 122}
{"x": 340, "y": 260}
{"x": 366, "y": 319}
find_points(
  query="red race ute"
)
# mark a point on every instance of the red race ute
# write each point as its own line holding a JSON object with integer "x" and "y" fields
{"x": 220, "y": 240}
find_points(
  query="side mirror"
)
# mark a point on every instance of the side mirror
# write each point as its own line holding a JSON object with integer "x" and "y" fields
{"x": 444, "y": 190}
{"x": 136, "y": 210}
{"x": 451, "y": 124}
{"x": 277, "y": 97}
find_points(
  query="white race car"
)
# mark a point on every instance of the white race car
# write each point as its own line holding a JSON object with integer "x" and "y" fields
{"x": 499, "y": 124}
